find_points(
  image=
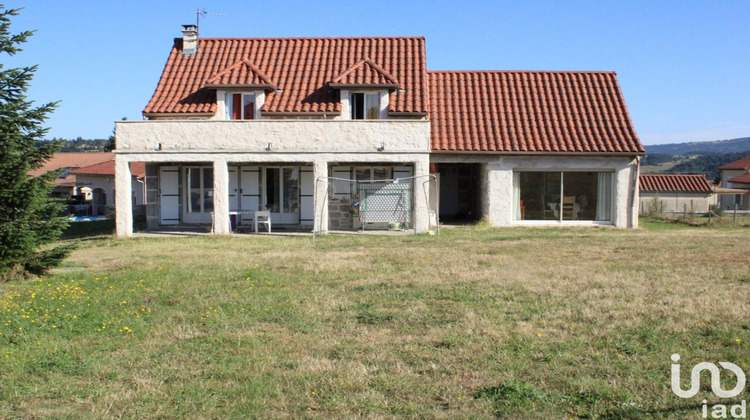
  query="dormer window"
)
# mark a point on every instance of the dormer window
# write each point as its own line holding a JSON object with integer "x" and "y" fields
{"x": 365, "y": 106}
{"x": 240, "y": 106}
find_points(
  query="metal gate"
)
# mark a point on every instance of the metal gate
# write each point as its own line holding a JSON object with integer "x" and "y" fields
{"x": 381, "y": 204}
{"x": 385, "y": 204}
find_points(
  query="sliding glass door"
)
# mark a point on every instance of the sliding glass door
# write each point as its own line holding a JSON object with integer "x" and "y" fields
{"x": 281, "y": 194}
{"x": 199, "y": 200}
{"x": 563, "y": 196}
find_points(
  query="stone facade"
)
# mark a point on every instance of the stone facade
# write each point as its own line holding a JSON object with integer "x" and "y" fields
{"x": 317, "y": 143}
{"x": 340, "y": 214}
{"x": 676, "y": 202}
{"x": 262, "y": 136}
{"x": 152, "y": 195}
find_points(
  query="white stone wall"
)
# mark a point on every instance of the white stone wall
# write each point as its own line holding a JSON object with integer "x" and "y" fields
{"x": 319, "y": 136}
{"x": 675, "y": 202}
{"x": 497, "y": 187}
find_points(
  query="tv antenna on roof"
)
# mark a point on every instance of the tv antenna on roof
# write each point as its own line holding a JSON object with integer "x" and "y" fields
{"x": 199, "y": 13}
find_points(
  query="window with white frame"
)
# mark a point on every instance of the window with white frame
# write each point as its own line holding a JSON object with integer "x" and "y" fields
{"x": 371, "y": 173}
{"x": 562, "y": 195}
{"x": 365, "y": 106}
{"x": 239, "y": 106}
{"x": 199, "y": 183}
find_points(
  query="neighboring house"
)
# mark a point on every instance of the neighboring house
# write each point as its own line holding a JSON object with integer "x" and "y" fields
{"x": 242, "y": 125}
{"x": 65, "y": 184}
{"x": 98, "y": 181}
{"x": 735, "y": 183}
{"x": 675, "y": 193}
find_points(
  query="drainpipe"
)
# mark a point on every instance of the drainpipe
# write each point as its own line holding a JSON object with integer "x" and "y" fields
{"x": 143, "y": 188}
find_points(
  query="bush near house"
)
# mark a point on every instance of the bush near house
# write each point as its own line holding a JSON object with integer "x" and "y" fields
{"x": 480, "y": 322}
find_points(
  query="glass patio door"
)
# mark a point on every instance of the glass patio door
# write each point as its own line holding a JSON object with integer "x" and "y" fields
{"x": 199, "y": 197}
{"x": 281, "y": 194}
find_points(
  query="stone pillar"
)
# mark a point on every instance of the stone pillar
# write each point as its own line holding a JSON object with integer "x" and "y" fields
{"x": 320, "y": 171}
{"x": 626, "y": 194}
{"x": 635, "y": 190}
{"x": 152, "y": 196}
{"x": 422, "y": 193}
{"x": 221, "y": 198}
{"x": 123, "y": 198}
{"x": 499, "y": 194}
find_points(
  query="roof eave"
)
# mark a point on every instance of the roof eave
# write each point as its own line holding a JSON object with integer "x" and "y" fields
{"x": 177, "y": 114}
{"x": 299, "y": 113}
{"x": 408, "y": 113}
{"x": 99, "y": 174}
{"x": 528, "y": 153}
{"x": 677, "y": 191}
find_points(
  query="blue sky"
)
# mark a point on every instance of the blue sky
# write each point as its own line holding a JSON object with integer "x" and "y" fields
{"x": 683, "y": 65}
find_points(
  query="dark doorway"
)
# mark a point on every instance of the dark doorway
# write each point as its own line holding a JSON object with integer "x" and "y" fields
{"x": 459, "y": 192}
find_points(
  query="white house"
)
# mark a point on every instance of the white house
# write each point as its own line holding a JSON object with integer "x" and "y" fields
{"x": 238, "y": 125}
{"x": 98, "y": 180}
{"x": 735, "y": 180}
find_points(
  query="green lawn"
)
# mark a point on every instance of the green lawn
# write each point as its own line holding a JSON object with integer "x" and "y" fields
{"x": 522, "y": 322}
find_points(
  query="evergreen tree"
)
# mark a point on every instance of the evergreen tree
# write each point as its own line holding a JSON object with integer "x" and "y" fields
{"x": 29, "y": 219}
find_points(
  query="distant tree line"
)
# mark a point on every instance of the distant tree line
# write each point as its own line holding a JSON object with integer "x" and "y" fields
{"x": 79, "y": 144}
{"x": 716, "y": 146}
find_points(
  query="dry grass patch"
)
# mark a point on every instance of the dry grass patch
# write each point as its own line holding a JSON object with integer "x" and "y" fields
{"x": 479, "y": 322}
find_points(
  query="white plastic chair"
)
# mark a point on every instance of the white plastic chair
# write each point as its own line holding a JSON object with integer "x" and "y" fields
{"x": 263, "y": 218}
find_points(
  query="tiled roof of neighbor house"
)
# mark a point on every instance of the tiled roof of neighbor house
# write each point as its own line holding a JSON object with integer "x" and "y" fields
{"x": 674, "y": 183}
{"x": 300, "y": 68}
{"x": 108, "y": 168}
{"x": 741, "y": 179}
{"x": 529, "y": 111}
{"x": 743, "y": 164}
{"x": 72, "y": 160}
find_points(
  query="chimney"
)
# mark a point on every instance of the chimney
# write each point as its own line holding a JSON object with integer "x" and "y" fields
{"x": 189, "y": 39}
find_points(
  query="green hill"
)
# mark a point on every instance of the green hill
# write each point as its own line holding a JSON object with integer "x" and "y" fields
{"x": 696, "y": 163}
{"x": 716, "y": 146}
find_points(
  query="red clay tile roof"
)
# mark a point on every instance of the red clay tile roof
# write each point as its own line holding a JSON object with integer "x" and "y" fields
{"x": 72, "y": 160}
{"x": 108, "y": 168}
{"x": 529, "y": 111}
{"x": 300, "y": 67}
{"x": 241, "y": 74}
{"x": 674, "y": 182}
{"x": 743, "y": 164}
{"x": 740, "y": 179}
{"x": 364, "y": 73}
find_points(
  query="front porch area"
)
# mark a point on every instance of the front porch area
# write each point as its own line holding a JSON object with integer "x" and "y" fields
{"x": 186, "y": 195}
{"x": 221, "y": 197}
